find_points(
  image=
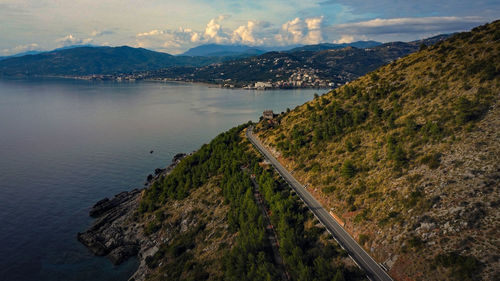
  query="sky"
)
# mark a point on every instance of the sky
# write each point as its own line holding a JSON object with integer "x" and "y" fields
{"x": 173, "y": 26}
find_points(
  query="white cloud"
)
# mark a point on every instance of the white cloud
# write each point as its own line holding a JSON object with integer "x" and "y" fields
{"x": 292, "y": 31}
{"x": 298, "y": 31}
{"x": 253, "y": 33}
{"x": 399, "y": 29}
{"x": 409, "y": 25}
{"x": 214, "y": 32}
{"x": 314, "y": 32}
{"x": 154, "y": 32}
{"x": 345, "y": 39}
{"x": 99, "y": 33}
{"x": 69, "y": 40}
{"x": 244, "y": 34}
{"x": 173, "y": 41}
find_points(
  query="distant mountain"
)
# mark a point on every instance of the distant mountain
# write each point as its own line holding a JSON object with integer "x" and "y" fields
{"x": 22, "y": 54}
{"x": 216, "y": 50}
{"x": 235, "y": 51}
{"x": 244, "y": 63}
{"x": 96, "y": 60}
{"x": 36, "y": 52}
{"x": 328, "y": 46}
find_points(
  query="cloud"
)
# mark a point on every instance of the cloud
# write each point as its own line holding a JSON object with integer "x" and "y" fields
{"x": 311, "y": 30}
{"x": 345, "y": 39}
{"x": 21, "y": 49}
{"x": 69, "y": 40}
{"x": 398, "y": 8}
{"x": 292, "y": 31}
{"x": 213, "y": 31}
{"x": 154, "y": 32}
{"x": 298, "y": 31}
{"x": 315, "y": 34}
{"x": 408, "y": 25}
{"x": 44, "y": 21}
{"x": 99, "y": 33}
{"x": 167, "y": 40}
{"x": 253, "y": 33}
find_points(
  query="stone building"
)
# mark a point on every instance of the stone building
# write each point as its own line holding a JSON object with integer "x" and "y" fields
{"x": 268, "y": 114}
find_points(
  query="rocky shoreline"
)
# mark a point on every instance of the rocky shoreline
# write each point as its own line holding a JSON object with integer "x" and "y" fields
{"x": 116, "y": 232}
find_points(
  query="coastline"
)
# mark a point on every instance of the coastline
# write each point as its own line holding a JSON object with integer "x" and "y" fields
{"x": 116, "y": 232}
{"x": 110, "y": 78}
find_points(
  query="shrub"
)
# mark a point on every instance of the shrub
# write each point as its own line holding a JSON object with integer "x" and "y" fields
{"x": 467, "y": 110}
{"x": 363, "y": 238}
{"x": 413, "y": 198}
{"x": 348, "y": 169}
{"x": 420, "y": 91}
{"x": 361, "y": 216}
{"x": 415, "y": 242}
{"x": 410, "y": 126}
{"x": 432, "y": 160}
{"x": 151, "y": 228}
{"x": 328, "y": 189}
{"x": 462, "y": 267}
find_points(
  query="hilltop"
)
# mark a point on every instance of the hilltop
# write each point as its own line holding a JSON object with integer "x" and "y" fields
{"x": 216, "y": 50}
{"x": 408, "y": 157}
{"x": 329, "y": 46}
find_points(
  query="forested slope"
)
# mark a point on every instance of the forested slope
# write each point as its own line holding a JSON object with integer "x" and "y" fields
{"x": 194, "y": 247}
{"x": 408, "y": 156}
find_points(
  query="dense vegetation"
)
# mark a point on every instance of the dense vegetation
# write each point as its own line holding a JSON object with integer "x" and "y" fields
{"x": 307, "y": 254}
{"x": 374, "y": 152}
{"x": 305, "y": 258}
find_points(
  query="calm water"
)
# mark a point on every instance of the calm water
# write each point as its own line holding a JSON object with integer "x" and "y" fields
{"x": 66, "y": 144}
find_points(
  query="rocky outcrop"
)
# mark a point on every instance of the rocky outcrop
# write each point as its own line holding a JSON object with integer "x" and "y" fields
{"x": 116, "y": 232}
{"x": 106, "y": 204}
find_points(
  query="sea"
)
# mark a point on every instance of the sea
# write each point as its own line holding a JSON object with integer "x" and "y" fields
{"x": 65, "y": 144}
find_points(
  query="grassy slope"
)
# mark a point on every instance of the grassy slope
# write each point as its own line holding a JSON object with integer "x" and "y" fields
{"x": 195, "y": 236}
{"x": 408, "y": 156}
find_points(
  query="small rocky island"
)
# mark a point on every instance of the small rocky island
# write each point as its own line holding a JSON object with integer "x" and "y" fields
{"x": 116, "y": 232}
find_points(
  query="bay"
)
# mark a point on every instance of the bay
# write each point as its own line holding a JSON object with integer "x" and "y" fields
{"x": 65, "y": 144}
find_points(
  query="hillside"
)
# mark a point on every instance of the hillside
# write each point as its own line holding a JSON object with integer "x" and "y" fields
{"x": 231, "y": 169}
{"x": 308, "y": 66}
{"x": 328, "y": 46}
{"x": 221, "y": 213}
{"x": 408, "y": 156}
{"x": 95, "y": 60}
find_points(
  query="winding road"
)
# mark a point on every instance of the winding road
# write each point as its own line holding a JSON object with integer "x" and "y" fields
{"x": 355, "y": 251}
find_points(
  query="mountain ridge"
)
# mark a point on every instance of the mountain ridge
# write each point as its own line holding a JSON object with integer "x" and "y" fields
{"x": 95, "y": 60}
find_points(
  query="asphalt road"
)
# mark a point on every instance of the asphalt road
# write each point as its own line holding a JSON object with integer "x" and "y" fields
{"x": 357, "y": 253}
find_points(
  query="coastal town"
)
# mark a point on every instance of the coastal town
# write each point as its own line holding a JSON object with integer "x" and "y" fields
{"x": 300, "y": 78}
